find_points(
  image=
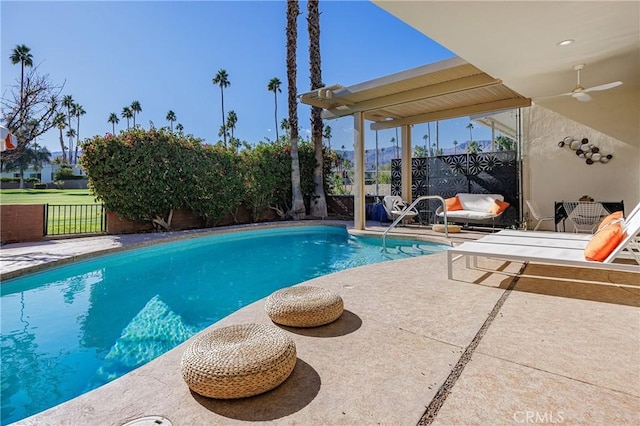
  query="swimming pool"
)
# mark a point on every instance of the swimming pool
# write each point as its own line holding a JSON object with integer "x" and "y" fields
{"x": 71, "y": 329}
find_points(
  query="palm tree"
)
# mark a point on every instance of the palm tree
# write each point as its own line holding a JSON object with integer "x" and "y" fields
{"x": 171, "y": 117}
{"x": 68, "y": 103}
{"x": 293, "y": 10}
{"x": 71, "y": 133}
{"x": 327, "y": 135}
{"x": 426, "y": 143}
{"x": 470, "y": 127}
{"x": 128, "y": 114}
{"x": 319, "y": 204}
{"x": 60, "y": 122}
{"x": 394, "y": 143}
{"x": 232, "y": 120}
{"x": 455, "y": 147}
{"x": 21, "y": 54}
{"x": 113, "y": 119}
{"x": 179, "y": 128}
{"x": 474, "y": 147}
{"x": 284, "y": 126}
{"x": 274, "y": 86}
{"x": 78, "y": 112}
{"x": 222, "y": 79}
{"x": 136, "y": 109}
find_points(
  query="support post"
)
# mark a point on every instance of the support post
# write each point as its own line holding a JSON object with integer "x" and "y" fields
{"x": 406, "y": 164}
{"x": 359, "y": 216}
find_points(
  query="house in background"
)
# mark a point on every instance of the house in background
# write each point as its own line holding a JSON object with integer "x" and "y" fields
{"x": 532, "y": 49}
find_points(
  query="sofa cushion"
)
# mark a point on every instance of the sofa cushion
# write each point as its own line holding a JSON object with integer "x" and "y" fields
{"x": 468, "y": 214}
{"x": 478, "y": 202}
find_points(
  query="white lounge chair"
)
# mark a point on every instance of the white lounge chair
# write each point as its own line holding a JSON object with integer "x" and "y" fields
{"x": 533, "y": 209}
{"x": 557, "y": 248}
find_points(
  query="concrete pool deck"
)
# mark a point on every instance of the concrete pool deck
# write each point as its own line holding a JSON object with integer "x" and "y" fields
{"x": 411, "y": 348}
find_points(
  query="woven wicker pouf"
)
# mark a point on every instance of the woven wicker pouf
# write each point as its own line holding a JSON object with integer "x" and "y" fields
{"x": 238, "y": 361}
{"x": 304, "y": 306}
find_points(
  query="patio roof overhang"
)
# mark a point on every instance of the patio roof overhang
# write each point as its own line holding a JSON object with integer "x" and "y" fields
{"x": 446, "y": 89}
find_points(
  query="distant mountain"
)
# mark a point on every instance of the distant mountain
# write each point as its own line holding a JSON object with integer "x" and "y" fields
{"x": 385, "y": 157}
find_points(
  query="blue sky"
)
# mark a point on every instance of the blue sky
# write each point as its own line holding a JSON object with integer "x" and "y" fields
{"x": 164, "y": 54}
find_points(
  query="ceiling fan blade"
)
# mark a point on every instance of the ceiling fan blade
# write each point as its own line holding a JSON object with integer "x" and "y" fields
{"x": 582, "y": 97}
{"x": 604, "y": 86}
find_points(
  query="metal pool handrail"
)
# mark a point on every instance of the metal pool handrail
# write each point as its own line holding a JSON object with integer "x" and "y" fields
{"x": 408, "y": 209}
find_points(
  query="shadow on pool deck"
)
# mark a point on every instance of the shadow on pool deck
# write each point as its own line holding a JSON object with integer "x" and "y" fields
{"x": 414, "y": 347}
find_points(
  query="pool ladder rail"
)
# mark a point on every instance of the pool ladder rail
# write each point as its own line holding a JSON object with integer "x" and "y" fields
{"x": 408, "y": 209}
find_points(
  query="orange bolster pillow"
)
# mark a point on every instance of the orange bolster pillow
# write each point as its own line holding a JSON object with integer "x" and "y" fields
{"x": 604, "y": 242}
{"x": 453, "y": 204}
{"x": 612, "y": 217}
{"x": 498, "y": 207}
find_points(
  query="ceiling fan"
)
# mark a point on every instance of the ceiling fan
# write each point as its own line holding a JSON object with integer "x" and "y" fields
{"x": 581, "y": 93}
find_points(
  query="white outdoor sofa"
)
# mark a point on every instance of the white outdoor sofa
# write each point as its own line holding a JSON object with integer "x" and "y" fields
{"x": 475, "y": 209}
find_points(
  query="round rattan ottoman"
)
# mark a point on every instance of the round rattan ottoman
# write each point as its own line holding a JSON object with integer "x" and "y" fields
{"x": 304, "y": 306}
{"x": 238, "y": 361}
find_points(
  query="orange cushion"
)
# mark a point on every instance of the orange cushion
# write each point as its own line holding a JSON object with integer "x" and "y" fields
{"x": 604, "y": 242}
{"x": 498, "y": 207}
{"x": 453, "y": 204}
{"x": 607, "y": 220}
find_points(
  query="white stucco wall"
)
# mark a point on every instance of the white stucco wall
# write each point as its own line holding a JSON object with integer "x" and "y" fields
{"x": 553, "y": 174}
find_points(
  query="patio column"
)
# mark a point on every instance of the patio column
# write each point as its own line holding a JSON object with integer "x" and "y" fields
{"x": 359, "y": 217}
{"x": 406, "y": 163}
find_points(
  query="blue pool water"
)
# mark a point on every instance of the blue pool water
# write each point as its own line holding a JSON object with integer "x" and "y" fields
{"x": 74, "y": 328}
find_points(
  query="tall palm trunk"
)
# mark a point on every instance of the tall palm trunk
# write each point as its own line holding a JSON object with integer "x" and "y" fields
{"x": 62, "y": 147}
{"x": 319, "y": 202}
{"x": 224, "y": 128}
{"x": 293, "y": 10}
{"x": 77, "y": 136}
{"x": 275, "y": 100}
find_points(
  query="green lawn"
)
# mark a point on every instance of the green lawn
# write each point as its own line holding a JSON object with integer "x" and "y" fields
{"x": 46, "y": 196}
{"x": 61, "y": 220}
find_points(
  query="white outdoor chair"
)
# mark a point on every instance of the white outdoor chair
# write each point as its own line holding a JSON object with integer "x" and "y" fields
{"x": 394, "y": 206}
{"x": 533, "y": 209}
{"x": 584, "y": 215}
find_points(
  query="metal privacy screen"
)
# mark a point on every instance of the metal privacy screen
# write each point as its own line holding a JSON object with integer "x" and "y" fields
{"x": 448, "y": 175}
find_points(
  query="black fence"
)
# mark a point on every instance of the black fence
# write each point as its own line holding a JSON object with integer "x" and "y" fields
{"x": 447, "y": 175}
{"x": 71, "y": 219}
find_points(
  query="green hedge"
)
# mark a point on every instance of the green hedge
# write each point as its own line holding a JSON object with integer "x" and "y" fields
{"x": 145, "y": 175}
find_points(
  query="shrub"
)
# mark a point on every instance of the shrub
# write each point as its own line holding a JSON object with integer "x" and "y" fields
{"x": 10, "y": 180}
{"x": 63, "y": 173}
{"x": 39, "y": 186}
{"x": 145, "y": 175}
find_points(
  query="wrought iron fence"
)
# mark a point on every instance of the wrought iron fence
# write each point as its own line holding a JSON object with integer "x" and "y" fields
{"x": 70, "y": 219}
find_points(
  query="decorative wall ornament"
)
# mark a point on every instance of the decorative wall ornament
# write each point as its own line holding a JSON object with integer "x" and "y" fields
{"x": 585, "y": 150}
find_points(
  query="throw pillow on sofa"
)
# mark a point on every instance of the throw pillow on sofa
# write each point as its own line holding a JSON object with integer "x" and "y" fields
{"x": 498, "y": 207}
{"x": 453, "y": 204}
